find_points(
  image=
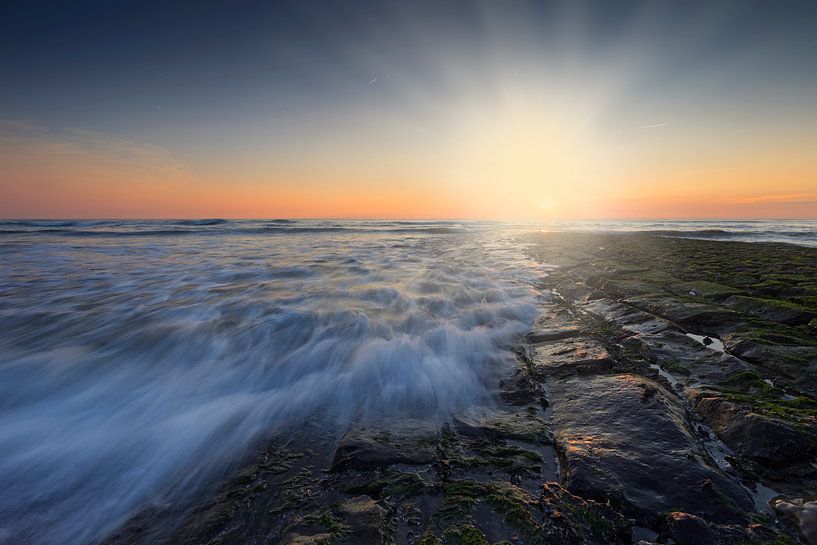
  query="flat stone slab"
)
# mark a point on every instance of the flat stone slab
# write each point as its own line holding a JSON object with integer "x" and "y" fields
{"x": 404, "y": 442}
{"x": 628, "y": 317}
{"x": 502, "y": 425}
{"x": 625, "y": 438}
{"x": 683, "y": 312}
{"x": 572, "y": 356}
{"x": 553, "y": 324}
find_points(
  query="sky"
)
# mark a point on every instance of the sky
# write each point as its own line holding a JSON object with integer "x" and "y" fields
{"x": 419, "y": 110}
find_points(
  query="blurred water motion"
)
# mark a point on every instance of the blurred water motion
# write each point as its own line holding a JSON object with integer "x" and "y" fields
{"x": 138, "y": 359}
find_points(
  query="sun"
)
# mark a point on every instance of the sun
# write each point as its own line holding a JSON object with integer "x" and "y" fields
{"x": 526, "y": 155}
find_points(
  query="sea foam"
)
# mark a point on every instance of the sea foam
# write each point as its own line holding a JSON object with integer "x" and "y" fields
{"x": 134, "y": 370}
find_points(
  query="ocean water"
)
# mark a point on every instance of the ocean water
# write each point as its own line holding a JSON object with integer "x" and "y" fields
{"x": 800, "y": 232}
{"x": 140, "y": 359}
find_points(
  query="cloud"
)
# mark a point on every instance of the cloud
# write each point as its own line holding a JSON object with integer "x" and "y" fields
{"x": 783, "y": 198}
{"x": 30, "y": 146}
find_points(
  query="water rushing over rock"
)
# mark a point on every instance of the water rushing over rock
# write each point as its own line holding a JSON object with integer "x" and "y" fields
{"x": 136, "y": 368}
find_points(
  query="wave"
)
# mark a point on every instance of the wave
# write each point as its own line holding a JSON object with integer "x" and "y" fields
{"x": 127, "y": 380}
{"x": 57, "y": 223}
{"x": 178, "y": 229}
{"x": 703, "y": 233}
{"x": 795, "y": 232}
{"x": 214, "y": 221}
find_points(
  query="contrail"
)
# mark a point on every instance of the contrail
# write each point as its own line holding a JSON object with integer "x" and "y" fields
{"x": 653, "y": 126}
{"x": 149, "y": 69}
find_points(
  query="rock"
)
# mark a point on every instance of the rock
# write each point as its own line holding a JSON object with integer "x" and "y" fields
{"x": 502, "y": 425}
{"x": 797, "y": 364}
{"x": 782, "y": 312}
{"x": 552, "y": 324}
{"x": 364, "y": 519}
{"x": 313, "y": 539}
{"x": 522, "y": 389}
{"x": 540, "y": 335}
{"x": 572, "y": 356}
{"x": 751, "y": 435}
{"x": 571, "y": 520}
{"x": 628, "y": 317}
{"x": 357, "y": 521}
{"x": 803, "y": 514}
{"x": 688, "y": 529}
{"x": 626, "y": 439}
{"x": 686, "y": 313}
{"x": 403, "y": 442}
{"x": 684, "y": 357}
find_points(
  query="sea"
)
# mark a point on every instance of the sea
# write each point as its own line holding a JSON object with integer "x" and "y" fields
{"x": 140, "y": 360}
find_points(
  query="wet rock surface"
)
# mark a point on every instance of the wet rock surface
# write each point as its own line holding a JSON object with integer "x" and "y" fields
{"x": 625, "y": 438}
{"x": 803, "y": 514}
{"x": 665, "y": 395}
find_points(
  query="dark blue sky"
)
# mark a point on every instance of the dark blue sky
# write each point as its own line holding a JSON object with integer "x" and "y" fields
{"x": 68, "y": 62}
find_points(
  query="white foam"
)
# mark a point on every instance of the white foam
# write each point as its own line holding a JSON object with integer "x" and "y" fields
{"x": 132, "y": 370}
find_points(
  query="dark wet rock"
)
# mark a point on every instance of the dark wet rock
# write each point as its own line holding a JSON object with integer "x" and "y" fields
{"x": 628, "y": 317}
{"x": 404, "y": 442}
{"x": 466, "y": 534}
{"x": 546, "y": 334}
{"x": 572, "y": 356}
{"x": 626, "y": 439}
{"x": 569, "y": 519}
{"x": 688, "y": 529}
{"x": 754, "y": 436}
{"x": 365, "y": 521}
{"x": 356, "y": 521}
{"x": 780, "y": 311}
{"x": 574, "y": 291}
{"x": 554, "y": 323}
{"x": 522, "y": 389}
{"x": 525, "y": 463}
{"x": 684, "y": 312}
{"x": 797, "y": 364}
{"x": 803, "y": 514}
{"x": 309, "y": 537}
{"x": 502, "y": 425}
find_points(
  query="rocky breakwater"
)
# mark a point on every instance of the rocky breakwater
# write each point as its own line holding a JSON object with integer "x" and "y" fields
{"x": 686, "y": 390}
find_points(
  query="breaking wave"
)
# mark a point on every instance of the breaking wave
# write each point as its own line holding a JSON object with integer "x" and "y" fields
{"x": 134, "y": 369}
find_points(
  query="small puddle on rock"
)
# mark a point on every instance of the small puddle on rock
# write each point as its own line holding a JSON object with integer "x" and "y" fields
{"x": 674, "y": 382}
{"x": 762, "y": 496}
{"x": 639, "y": 533}
{"x": 714, "y": 344}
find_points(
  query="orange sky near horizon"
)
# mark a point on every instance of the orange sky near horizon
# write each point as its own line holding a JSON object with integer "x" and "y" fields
{"x": 509, "y": 172}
